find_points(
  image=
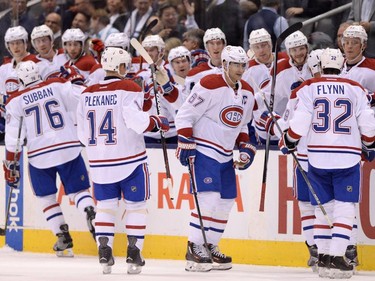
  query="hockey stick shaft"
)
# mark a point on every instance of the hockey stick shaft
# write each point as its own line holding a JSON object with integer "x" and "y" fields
{"x": 279, "y": 40}
{"x": 18, "y": 147}
{"x": 137, "y": 46}
{"x": 195, "y": 194}
{"x": 299, "y": 165}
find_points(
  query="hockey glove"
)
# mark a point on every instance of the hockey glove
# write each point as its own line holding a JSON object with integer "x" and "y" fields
{"x": 186, "y": 149}
{"x": 286, "y": 146}
{"x": 267, "y": 122}
{"x": 97, "y": 45}
{"x": 161, "y": 123}
{"x": 295, "y": 85}
{"x": 12, "y": 173}
{"x": 163, "y": 80}
{"x": 368, "y": 155}
{"x": 72, "y": 74}
{"x": 246, "y": 158}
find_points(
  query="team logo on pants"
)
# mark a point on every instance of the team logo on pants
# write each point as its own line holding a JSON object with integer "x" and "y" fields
{"x": 349, "y": 188}
{"x": 133, "y": 188}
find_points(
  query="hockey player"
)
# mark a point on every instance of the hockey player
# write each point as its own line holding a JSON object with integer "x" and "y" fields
{"x": 214, "y": 42}
{"x": 73, "y": 41}
{"x": 210, "y": 123}
{"x": 110, "y": 124}
{"x": 169, "y": 97}
{"x": 50, "y": 60}
{"x": 53, "y": 148}
{"x": 335, "y": 116}
{"x": 179, "y": 59}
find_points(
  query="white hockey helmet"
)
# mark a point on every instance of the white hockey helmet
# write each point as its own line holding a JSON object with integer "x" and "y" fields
{"x": 355, "y": 31}
{"x": 313, "y": 61}
{"x": 295, "y": 39}
{"x": 73, "y": 34}
{"x": 234, "y": 54}
{"x": 332, "y": 58}
{"x": 179, "y": 52}
{"x": 212, "y": 34}
{"x": 258, "y": 36}
{"x": 28, "y": 72}
{"x": 15, "y": 33}
{"x": 118, "y": 39}
{"x": 153, "y": 41}
{"x": 41, "y": 31}
{"x": 113, "y": 57}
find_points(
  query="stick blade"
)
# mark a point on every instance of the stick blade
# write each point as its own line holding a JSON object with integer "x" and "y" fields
{"x": 139, "y": 48}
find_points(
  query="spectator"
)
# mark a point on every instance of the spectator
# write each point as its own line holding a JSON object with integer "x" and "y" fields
{"x": 18, "y": 15}
{"x": 100, "y": 26}
{"x": 46, "y": 7}
{"x": 228, "y": 17}
{"x": 266, "y": 18}
{"x": 53, "y": 21}
{"x": 193, "y": 41}
{"x": 139, "y": 18}
{"x": 171, "y": 43}
{"x": 84, "y": 6}
{"x": 340, "y": 33}
{"x": 362, "y": 11}
{"x": 118, "y": 16}
{"x": 82, "y": 21}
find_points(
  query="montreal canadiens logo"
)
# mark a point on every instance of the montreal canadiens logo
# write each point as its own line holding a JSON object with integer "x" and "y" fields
{"x": 231, "y": 116}
{"x": 11, "y": 85}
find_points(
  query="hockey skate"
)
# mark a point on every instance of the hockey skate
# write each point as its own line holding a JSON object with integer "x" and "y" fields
{"x": 90, "y": 217}
{"x": 313, "y": 259}
{"x": 197, "y": 258}
{"x": 63, "y": 246}
{"x": 351, "y": 255}
{"x": 220, "y": 261}
{"x": 323, "y": 265}
{"x": 105, "y": 255}
{"x": 134, "y": 258}
{"x": 340, "y": 268}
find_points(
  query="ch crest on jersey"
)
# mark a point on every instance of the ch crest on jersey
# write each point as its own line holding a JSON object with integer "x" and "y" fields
{"x": 11, "y": 85}
{"x": 231, "y": 116}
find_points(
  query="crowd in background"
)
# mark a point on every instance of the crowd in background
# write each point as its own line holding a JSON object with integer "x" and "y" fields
{"x": 99, "y": 18}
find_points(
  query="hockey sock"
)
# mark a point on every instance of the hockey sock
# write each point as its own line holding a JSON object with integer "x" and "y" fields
{"x": 322, "y": 230}
{"x": 52, "y": 212}
{"x": 307, "y": 219}
{"x": 82, "y": 200}
{"x": 135, "y": 221}
{"x": 105, "y": 220}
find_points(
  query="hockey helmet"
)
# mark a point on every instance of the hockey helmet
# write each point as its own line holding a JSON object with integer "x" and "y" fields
{"x": 28, "y": 72}
{"x": 73, "y": 34}
{"x": 41, "y": 31}
{"x": 355, "y": 31}
{"x": 153, "y": 41}
{"x": 234, "y": 54}
{"x": 259, "y": 36}
{"x": 113, "y": 57}
{"x": 179, "y": 52}
{"x": 331, "y": 58}
{"x": 15, "y": 33}
{"x": 118, "y": 39}
{"x": 212, "y": 34}
{"x": 313, "y": 61}
{"x": 295, "y": 39}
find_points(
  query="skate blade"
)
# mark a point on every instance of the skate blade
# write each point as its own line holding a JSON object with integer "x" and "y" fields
{"x": 134, "y": 268}
{"x": 221, "y": 266}
{"x": 314, "y": 268}
{"x": 107, "y": 269}
{"x": 198, "y": 267}
{"x": 340, "y": 274}
{"x": 68, "y": 253}
{"x": 323, "y": 272}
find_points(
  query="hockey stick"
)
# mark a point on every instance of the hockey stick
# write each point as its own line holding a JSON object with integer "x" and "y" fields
{"x": 195, "y": 194}
{"x": 167, "y": 183}
{"x": 147, "y": 29}
{"x": 18, "y": 144}
{"x": 279, "y": 40}
{"x": 298, "y": 164}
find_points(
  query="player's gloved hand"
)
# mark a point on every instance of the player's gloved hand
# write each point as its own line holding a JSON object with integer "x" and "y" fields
{"x": 72, "y": 74}
{"x": 246, "y": 158}
{"x": 186, "y": 149}
{"x": 286, "y": 146}
{"x": 12, "y": 173}
{"x": 97, "y": 45}
{"x": 164, "y": 80}
{"x": 266, "y": 121}
{"x": 368, "y": 154}
{"x": 161, "y": 123}
{"x": 295, "y": 85}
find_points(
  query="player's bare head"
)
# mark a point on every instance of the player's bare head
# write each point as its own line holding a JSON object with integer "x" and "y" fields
{"x": 340, "y": 33}
{"x": 261, "y": 45}
{"x": 193, "y": 39}
{"x": 16, "y": 41}
{"x": 42, "y": 39}
{"x": 118, "y": 39}
{"x": 297, "y": 48}
{"x": 354, "y": 42}
{"x": 155, "y": 46}
{"x": 214, "y": 41}
{"x": 73, "y": 41}
{"x": 116, "y": 61}
{"x": 28, "y": 73}
{"x": 331, "y": 61}
{"x": 234, "y": 61}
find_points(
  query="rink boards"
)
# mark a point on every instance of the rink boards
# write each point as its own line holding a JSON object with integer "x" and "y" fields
{"x": 272, "y": 237}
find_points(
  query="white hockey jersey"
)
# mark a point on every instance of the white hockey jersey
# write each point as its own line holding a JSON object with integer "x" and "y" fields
{"x": 50, "y": 69}
{"x": 334, "y": 114}
{"x": 48, "y": 123}
{"x": 110, "y": 124}
{"x": 363, "y": 72}
{"x": 217, "y": 115}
